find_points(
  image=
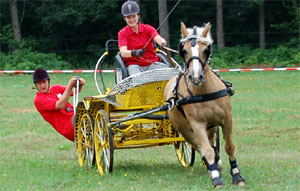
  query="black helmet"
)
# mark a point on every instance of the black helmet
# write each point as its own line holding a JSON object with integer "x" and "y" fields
{"x": 130, "y": 8}
{"x": 40, "y": 74}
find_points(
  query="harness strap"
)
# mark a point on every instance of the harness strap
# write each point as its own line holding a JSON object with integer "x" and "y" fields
{"x": 187, "y": 87}
{"x": 205, "y": 97}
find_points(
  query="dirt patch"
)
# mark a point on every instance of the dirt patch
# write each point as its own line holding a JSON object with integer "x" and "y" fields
{"x": 266, "y": 110}
{"x": 288, "y": 110}
{"x": 22, "y": 110}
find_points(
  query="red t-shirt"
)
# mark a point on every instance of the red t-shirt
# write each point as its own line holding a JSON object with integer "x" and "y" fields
{"x": 127, "y": 37}
{"x": 61, "y": 120}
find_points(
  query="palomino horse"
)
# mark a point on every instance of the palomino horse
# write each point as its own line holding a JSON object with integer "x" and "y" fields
{"x": 201, "y": 102}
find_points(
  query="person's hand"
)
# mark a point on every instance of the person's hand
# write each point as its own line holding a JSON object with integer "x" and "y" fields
{"x": 164, "y": 44}
{"x": 73, "y": 81}
{"x": 138, "y": 52}
{"x": 82, "y": 81}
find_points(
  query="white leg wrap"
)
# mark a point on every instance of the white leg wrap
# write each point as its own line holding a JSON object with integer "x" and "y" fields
{"x": 235, "y": 170}
{"x": 215, "y": 174}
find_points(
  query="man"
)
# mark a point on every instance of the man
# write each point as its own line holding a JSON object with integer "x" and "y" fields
{"x": 136, "y": 41}
{"x": 53, "y": 102}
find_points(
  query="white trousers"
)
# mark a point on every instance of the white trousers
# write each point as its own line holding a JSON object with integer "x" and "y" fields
{"x": 134, "y": 69}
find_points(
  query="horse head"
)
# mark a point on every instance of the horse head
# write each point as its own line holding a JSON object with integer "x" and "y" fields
{"x": 195, "y": 48}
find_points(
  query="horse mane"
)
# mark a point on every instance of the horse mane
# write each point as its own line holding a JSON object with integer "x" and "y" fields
{"x": 200, "y": 37}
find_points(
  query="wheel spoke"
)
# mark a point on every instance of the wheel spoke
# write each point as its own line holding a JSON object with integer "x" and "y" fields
{"x": 104, "y": 147}
{"x": 85, "y": 140}
{"x": 185, "y": 153}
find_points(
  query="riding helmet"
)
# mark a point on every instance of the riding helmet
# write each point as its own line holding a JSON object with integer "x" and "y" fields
{"x": 40, "y": 74}
{"x": 130, "y": 8}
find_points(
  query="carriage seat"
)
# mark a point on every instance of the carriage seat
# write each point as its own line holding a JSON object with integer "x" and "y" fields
{"x": 121, "y": 69}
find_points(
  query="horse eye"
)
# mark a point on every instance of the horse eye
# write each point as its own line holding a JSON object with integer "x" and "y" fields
{"x": 207, "y": 50}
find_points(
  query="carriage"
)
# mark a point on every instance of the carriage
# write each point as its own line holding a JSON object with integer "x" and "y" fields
{"x": 132, "y": 114}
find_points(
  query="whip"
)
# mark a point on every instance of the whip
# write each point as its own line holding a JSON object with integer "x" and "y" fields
{"x": 163, "y": 22}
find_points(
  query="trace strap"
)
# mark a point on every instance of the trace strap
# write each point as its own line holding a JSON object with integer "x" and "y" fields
{"x": 205, "y": 97}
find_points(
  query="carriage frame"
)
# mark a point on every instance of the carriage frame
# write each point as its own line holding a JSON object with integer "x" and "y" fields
{"x": 132, "y": 114}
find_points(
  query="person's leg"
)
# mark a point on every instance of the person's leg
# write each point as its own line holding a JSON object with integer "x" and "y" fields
{"x": 134, "y": 69}
{"x": 157, "y": 65}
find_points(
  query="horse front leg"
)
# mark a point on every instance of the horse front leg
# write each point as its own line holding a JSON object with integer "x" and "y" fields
{"x": 237, "y": 178}
{"x": 208, "y": 154}
{"x": 213, "y": 136}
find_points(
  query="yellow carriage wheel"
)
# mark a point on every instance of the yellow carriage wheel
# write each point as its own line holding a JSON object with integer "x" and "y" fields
{"x": 86, "y": 140}
{"x": 185, "y": 153}
{"x": 104, "y": 148}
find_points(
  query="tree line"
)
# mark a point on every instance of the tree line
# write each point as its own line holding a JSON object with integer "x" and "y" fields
{"x": 76, "y": 30}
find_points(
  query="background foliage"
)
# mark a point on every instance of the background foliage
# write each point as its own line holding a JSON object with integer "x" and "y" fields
{"x": 75, "y": 32}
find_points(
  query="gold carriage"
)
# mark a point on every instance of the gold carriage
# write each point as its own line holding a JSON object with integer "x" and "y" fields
{"x": 132, "y": 114}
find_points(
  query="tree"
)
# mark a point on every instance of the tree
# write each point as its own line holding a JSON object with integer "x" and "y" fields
{"x": 220, "y": 30}
{"x": 261, "y": 17}
{"x": 162, "y": 12}
{"x": 15, "y": 23}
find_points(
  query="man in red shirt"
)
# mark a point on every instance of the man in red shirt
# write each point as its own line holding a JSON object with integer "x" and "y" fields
{"x": 53, "y": 102}
{"x": 136, "y": 41}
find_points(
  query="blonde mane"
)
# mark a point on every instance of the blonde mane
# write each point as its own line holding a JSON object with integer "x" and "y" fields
{"x": 200, "y": 38}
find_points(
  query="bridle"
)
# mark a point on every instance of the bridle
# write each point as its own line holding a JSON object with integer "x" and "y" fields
{"x": 194, "y": 40}
{"x": 178, "y": 99}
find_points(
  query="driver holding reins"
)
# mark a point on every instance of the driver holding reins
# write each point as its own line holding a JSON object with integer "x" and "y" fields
{"x": 136, "y": 41}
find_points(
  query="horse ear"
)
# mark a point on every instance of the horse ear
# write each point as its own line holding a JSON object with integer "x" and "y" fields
{"x": 206, "y": 29}
{"x": 183, "y": 30}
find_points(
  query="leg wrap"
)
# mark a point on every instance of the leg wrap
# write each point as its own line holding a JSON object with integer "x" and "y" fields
{"x": 234, "y": 167}
{"x": 218, "y": 182}
{"x": 214, "y": 172}
{"x": 235, "y": 173}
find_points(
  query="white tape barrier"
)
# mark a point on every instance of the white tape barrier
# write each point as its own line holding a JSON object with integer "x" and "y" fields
{"x": 113, "y": 71}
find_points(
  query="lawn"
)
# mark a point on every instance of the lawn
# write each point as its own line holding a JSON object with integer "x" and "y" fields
{"x": 266, "y": 114}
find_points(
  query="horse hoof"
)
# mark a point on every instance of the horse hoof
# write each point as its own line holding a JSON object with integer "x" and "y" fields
{"x": 220, "y": 186}
{"x": 237, "y": 179}
{"x": 241, "y": 183}
{"x": 218, "y": 183}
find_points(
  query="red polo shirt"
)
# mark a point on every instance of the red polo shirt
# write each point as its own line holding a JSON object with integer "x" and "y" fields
{"x": 61, "y": 120}
{"x": 127, "y": 37}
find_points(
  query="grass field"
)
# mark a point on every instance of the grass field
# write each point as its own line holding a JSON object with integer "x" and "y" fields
{"x": 266, "y": 112}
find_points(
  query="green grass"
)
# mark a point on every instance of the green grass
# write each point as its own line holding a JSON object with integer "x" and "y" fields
{"x": 266, "y": 112}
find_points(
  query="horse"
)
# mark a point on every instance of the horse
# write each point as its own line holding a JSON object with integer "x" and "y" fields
{"x": 200, "y": 102}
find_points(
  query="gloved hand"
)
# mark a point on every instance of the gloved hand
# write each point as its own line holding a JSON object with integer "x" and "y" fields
{"x": 138, "y": 52}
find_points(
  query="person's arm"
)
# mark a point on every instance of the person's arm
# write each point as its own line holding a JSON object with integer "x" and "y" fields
{"x": 133, "y": 52}
{"x": 160, "y": 40}
{"x": 64, "y": 99}
{"x": 125, "y": 53}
